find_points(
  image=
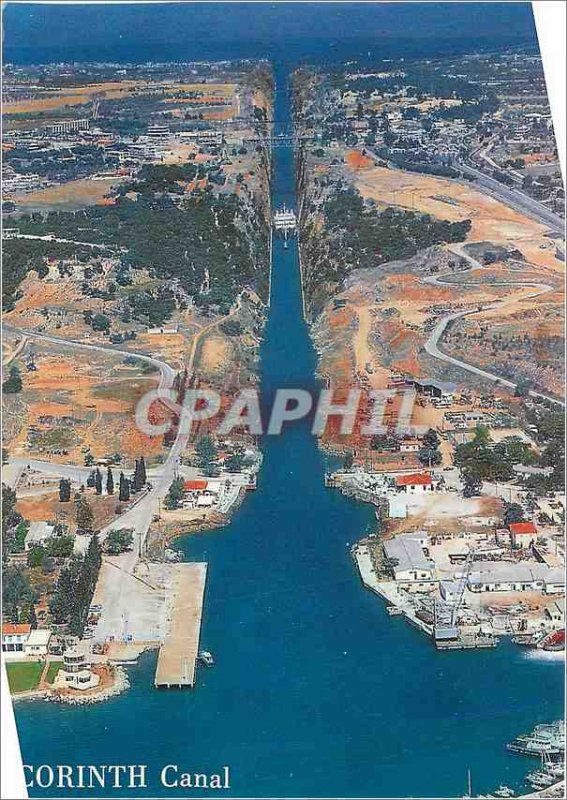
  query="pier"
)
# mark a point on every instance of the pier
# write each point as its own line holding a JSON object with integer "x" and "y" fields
{"x": 177, "y": 659}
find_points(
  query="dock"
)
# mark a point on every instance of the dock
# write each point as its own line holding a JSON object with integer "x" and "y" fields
{"x": 177, "y": 659}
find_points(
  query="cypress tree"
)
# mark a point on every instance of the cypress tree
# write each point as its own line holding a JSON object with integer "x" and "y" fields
{"x": 109, "y": 482}
{"x": 124, "y": 490}
{"x": 98, "y": 482}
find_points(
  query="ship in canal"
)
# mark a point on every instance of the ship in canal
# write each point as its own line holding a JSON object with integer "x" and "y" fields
{"x": 285, "y": 222}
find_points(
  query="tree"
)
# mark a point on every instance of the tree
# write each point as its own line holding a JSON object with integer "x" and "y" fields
{"x": 513, "y": 513}
{"x": 234, "y": 462}
{"x": 13, "y": 384}
{"x": 124, "y": 488}
{"x": 118, "y": 541}
{"x": 430, "y": 456}
{"x": 175, "y": 494}
{"x": 139, "y": 479}
{"x": 431, "y": 439}
{"x": 84, "y": 514}
{"x": 472, "y": 485}
{"x": 98, "y": 482}
{"x": 64, "y": 490}
{"x": 206, "y": 453}
{"x": 348, "y": 460}
{"x": 36, "y": 555}
{"x": 109, "y": 482}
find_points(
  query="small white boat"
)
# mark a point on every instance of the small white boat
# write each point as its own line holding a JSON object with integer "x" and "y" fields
{"x": 206, "y": 658}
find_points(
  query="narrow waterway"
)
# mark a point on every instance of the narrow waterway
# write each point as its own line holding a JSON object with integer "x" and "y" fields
{"x": 315, "y": 691}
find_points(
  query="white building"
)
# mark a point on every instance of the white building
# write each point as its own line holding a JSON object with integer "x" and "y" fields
{"x": 408, "y": 562}
{"x": 38, "y": 534}
{"x": 37, "y": 643}
{"x": 497, "y": 576}
{"x": 14, "y": 637}
{"x": 75, "y": 673}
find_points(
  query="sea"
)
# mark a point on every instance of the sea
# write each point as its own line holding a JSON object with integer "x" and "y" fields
{"x": 315, "y": 691}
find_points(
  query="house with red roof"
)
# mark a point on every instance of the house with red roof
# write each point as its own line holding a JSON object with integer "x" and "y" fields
{"x": 14, "y": 637}
{"x": 522, "y": 534}
{"x": 417, "y": 483}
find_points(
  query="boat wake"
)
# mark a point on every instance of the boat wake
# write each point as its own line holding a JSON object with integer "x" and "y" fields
{"x": 550, "y": 656}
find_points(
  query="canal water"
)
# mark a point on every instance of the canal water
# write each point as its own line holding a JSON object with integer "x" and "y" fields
{"x": 315, "y": 692}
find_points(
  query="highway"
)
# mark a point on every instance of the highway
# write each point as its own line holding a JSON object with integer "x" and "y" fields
{"x": 514, "y": 198}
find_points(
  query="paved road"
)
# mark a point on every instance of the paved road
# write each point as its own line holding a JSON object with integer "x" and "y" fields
{"x": 432, "y": 343}
{"x": 514, "y": 198}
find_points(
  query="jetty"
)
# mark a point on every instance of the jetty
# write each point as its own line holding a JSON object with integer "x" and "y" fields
{"x": 177, "y": 659}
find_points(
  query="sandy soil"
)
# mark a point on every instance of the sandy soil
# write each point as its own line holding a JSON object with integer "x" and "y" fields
{"x": 491, "y": 220}
{"x": 67, "y": 196}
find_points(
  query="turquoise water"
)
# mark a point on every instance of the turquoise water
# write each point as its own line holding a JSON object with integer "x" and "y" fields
{"x": 315, "y": 691}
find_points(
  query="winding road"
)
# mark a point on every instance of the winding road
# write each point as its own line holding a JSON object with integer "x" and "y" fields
{"x": 432, "y": 343}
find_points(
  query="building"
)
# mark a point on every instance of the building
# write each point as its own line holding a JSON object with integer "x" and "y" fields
{"x": 556, "y": 612}
{"x": 37, "y": 643}
{"x": 408, "y": 562}
{"x": 418, "y": 483}
{"x": 14, "y": 637}
{"x": 410, "y": 446}
{"x": 38, "y": 534}
{"x": 69, "y": 126}
{"x": 442, "y": 390}
{"x": 522, "y": 534}
{"x": 75, "y": 673}
{"x": 497, "y": 576}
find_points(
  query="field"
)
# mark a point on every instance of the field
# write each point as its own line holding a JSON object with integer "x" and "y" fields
{"x": 66, "y": 196}
{"x": 77, "y": 401}
{"x": 23, "y": 676}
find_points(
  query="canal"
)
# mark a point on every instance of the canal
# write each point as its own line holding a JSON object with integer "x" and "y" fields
{"x": 316, "y": 692}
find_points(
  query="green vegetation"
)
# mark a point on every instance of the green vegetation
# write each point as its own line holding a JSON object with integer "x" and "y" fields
{"x": 206, "y": 454}
{"x": 11, "y": 521}
{"x": 84, "y": 514}
{"x": 357, "y": 237}
{"x": 171, "y": 235}
{"x": 52, "y": 670}
{"x": 75, "y": 588}
{"x": 118, "y": 541}
{"x": 175, "y": 494}
{"x": 23, "y": 676}
{"x": 429, "y": 454}
{"x": 13, "y": 384}
{"x": 17, "y": 593}
{"x": 479, "y": 461}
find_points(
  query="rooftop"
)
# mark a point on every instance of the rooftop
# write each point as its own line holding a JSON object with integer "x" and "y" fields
{"x": 9, "y": 629}
{"x": 417, "y": 479}
{"x": 523, "y": 527}
{"x": 408, "y": 553}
